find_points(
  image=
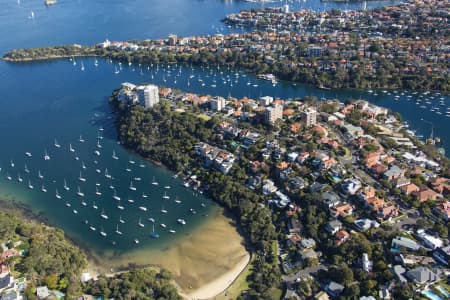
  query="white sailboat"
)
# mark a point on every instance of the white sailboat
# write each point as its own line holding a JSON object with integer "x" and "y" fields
{"x": 79, "y": 193}
{"x": 57, "y": 195}
{"x": 154, "y": 182}
{"x": 83, "y": 166}
{"x": 166, "y": 196}
{"x": 102, "y": 233}
{"x": 81, "y": 140}
{"x": 40, "y": 175}
{"x": 131, "y": 187}
{"x": 107, "y": 174}
{"x": 117, "y": 230}
{"x": 120, "y": 206}
{"x": 28, "y": 154}
{"x": 71, "y": 148}
{"x": 81, "y": 178}
{"x": 43, "y": 189}
{"x": 114, "y": 156}
{"x": 143, "y": 208}
{"x": 115, "y": 197}
{"x": 140, "y": 223}
{"x": 121, "y": 220}
{"x": 46, "y": 156}
{"x": 181, "y": 221}
{"x": 82, "y": 66}
{"x": 11, "y": 163}
{"x": 103, "y": 215}
{"x": 19, "y": 178}
{"x": 26, "y": 169}
{"x": 30, "y": 186}
{"x": 8, "y": 176}
{"x": 131, "y": 200}
{"x": 97, "y": 192}
{"x": 66, "y": 187}
{"x": 94, "y": 206}
{"x": 96, "y": 63}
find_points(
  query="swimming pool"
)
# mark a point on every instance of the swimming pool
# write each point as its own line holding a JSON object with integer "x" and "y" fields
{"x": 429, "y": 294}
{"x": 443, "y": 291}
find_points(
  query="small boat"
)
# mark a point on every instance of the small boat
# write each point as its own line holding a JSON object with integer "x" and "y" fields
{"x": 96, "y": 152}
{"x": 151, "y": 220}
{"x": 92, "y": 228}
{"x": 26, "y": 169}
{"x": 154, "y": 182}
{"x": 57, "y": 195}
{"x": 68, "y": 204}
{"x": 193, "y": 211}
{"x": 83, "y": 203}
{"x": 114, "y": 156}
{"x": 11, "y": 163}
{"x": 144, "y": 195}
{"x": 66, "y": 187}
{"x": 143, "y": 208}
{"x": 83, "y": 166}
{"x": 131, "y": 200}
{"x": 167, "y": 187}
{"x": 172, "y": 231}
{"x": 75, "y": 211}
{"x": 79, "y": 193}
{"x": 140, "y": 224}
{"x": 71, "y": 148}
{"x": 43, "y": 189}
{"x": 96, "y": 63}
{"x": 57, "y": 145}
{"x": 203, "y": 205}
{"x": 46, "y": 156}
{"x": 117, "y": 230}
{"x": 97, "y": 192}
{"x": 181, "y": 221}
{"x": 131, "y": 187}
{"x": 121, "y": 220}
{"x": 28, "y": 154}
{"x": 98, "y": 171}
{"x": 164, "y": 211}
{"x": 163, "y": 225}
{"x": 81, "y": 140}
{"x": 8, "y": 176}
{"x": 165, "y": 196}
{"x": 142, "y": 166}
{"x": 177, "y": 200}
{"x": 81, "y": 178}
{"x": 40, "y": 175}
{"x": 94, "y": 206}
{"x": 98, "y": 144}
{"x": 137, "y": 178}
{"x": 19, "y": 178}
{"x": 103, "y": 215}
{"x": 30, "y": 186}
{"x": 107, "y": 174}
{"x": 136, "y": 241}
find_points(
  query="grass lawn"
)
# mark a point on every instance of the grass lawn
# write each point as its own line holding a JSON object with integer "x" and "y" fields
{"x": 239, "y": 285}
{"x": 204, "y": 117}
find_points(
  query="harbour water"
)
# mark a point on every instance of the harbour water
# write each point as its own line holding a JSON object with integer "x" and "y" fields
{"x": 47, "y": 100}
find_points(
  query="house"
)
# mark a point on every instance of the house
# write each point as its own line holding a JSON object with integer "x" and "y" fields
{"x": 425, "y": 194}
{"x": 42, "y": 292}
{"x": 351, "y": 186}
{"x": 442, "y": 255}
{"x": 269, "y": 187}
{"x": 366, "y": 224}
{"x": 308, "y": 243}
{"x": 429, "y": 241}
{"x": 6, "y": 280}
{"x": 333, "y": 226}
{"x": 366, "y": 263}
{"x": 387, "y": 212}
{"x": 402, "y": 181}
{"x": 330, "y": 199}
{"x": 393, "y": 173}
{"x": 321, "y": 296}
{"x": 443, "y": 210}
{"x": 409, "y": 188}
{"x": 403, "y": 242}
{"x": 334, "y": 289}
{"x": 421, "y": 275}
{"x": 342, "y": 210}
{"x": 399, "y": 272}
{"x": 341, "y": 237}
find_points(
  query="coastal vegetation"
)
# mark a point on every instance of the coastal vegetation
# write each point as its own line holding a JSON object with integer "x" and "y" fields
{"x": 144, "y": 284}
{"x": 46, "y": 256}
{"x": 167, "y": 136}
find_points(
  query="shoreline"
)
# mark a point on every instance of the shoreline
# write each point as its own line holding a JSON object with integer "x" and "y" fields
{"x": 197, "y": 271}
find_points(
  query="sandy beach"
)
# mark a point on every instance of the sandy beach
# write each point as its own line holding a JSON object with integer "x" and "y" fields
{"x": 203, "y": 264}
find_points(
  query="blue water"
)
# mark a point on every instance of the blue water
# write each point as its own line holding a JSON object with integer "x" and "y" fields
{"x": 47, "y": 100}
{"x": 431, "y": 295}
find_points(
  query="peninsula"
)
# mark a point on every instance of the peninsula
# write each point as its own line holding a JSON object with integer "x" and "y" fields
{"x": 335, "y": 190}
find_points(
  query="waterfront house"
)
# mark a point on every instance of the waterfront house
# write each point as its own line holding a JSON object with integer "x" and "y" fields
{"x": 443, "y": 210}
{"x": 421, "y": 275}
{"x": 403, "y": 242}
